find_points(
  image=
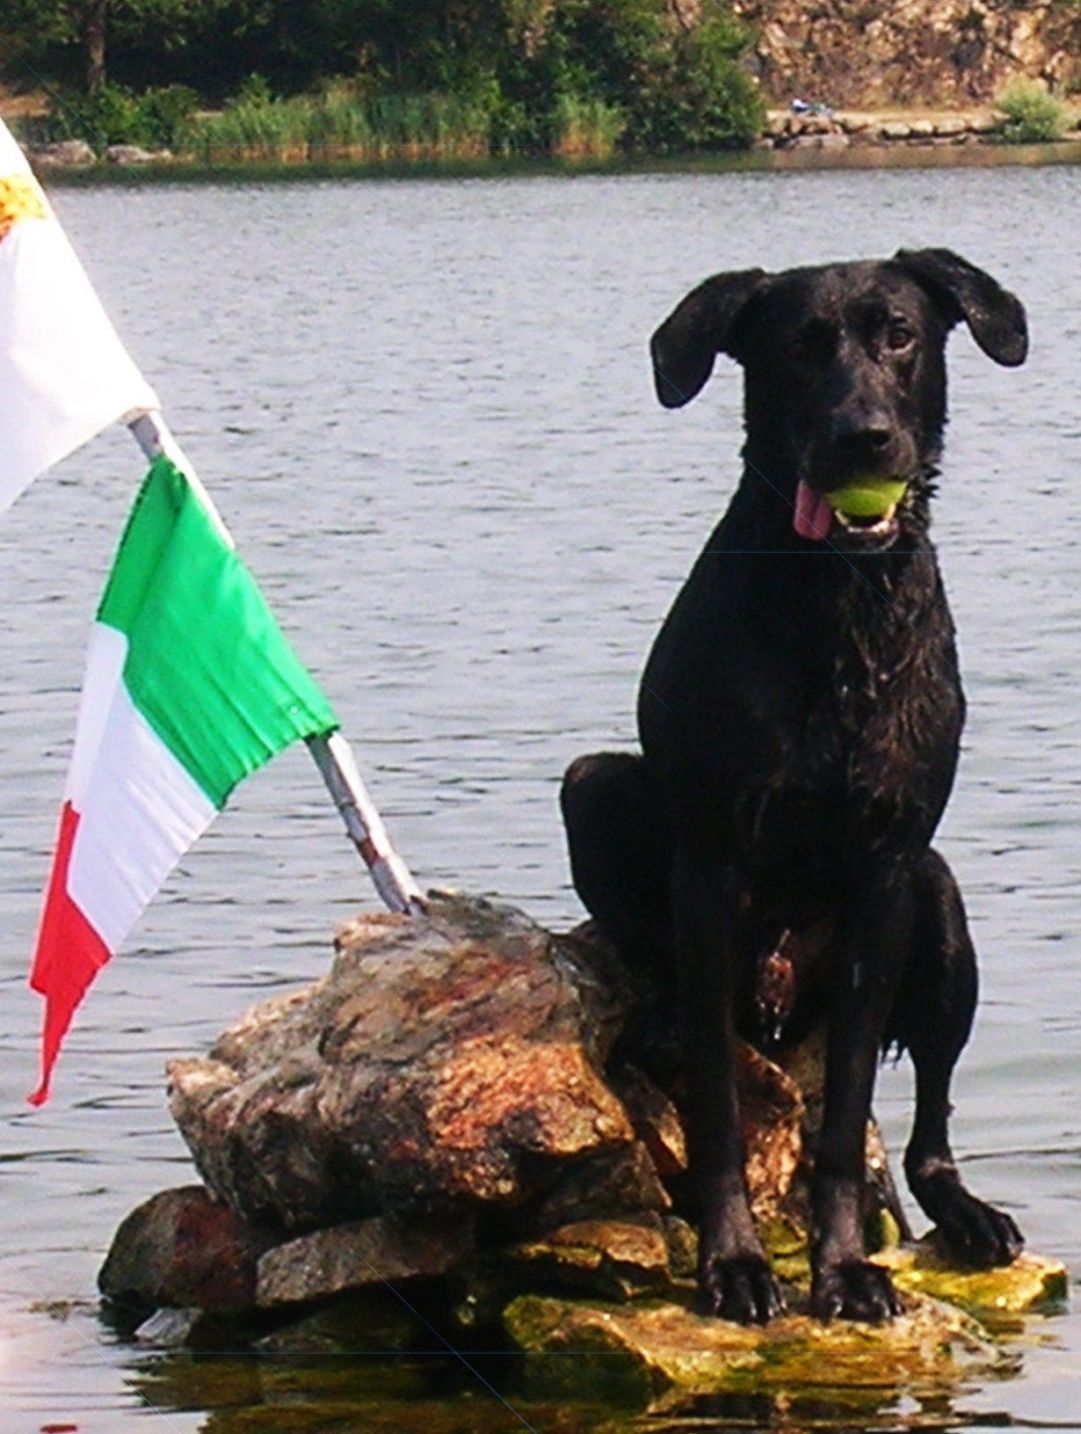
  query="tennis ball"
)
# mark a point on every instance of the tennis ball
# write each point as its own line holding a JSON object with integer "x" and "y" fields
{"x": 867, "y": 497}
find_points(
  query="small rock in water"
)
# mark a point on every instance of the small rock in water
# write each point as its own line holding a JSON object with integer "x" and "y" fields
{"x": 183, "y": 1248}
{"x": 168, "y": 1328}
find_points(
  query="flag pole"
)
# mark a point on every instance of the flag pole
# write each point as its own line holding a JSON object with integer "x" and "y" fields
{"x": 331, "y": 754}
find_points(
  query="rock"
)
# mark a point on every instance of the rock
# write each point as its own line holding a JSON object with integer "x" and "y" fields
{"x": 365, "y": 1252}
{"x": 895, "y": 129}
{"x": 446, "y": 1061}
{"x": 916, "y": 53}
{"x": 491, "y": 1114}
{"x": 66, "y": 153}
{"x": 459, "y": 1062}
{"x": 1030, "y": 1284}
{"x": 623, "y": 1182}
{"x": 135, "y": 154}
{"x": 773, "y": 1110}
{"x": 655, "y": 1119}
{"x": 676, "y": 1348}
{"x": 820, "y": 141}
{"x": 184, "y": 1249}
{"x": 614, "y": 1258}
{"x": 192, "y": 1329}
{"x": 168, "y": 1328}
{"x": 855, "y": 122}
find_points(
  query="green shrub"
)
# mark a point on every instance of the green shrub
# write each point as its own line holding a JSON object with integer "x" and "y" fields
{"x": 698, "y": 97}
{"x": 158, "y": 118}
{"x": 165, "y": 113}
{"x": 1033, "y": 116}
{"x": 111, "y": 116}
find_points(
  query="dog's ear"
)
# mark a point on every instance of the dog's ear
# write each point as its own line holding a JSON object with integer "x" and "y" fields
{"x": 994, "y": 315}
{"x": 696, "y": 331}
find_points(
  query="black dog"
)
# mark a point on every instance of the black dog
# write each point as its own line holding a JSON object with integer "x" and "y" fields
{"x": 800, "y": 716}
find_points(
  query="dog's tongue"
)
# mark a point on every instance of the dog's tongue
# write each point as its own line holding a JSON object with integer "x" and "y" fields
{"x": 813, "y": 516}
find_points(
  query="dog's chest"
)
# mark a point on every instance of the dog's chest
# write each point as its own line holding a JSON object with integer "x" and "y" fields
{"x": 871, "y": 742}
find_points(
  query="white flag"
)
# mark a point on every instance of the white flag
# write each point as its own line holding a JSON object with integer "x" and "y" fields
{"x": 64, "y": 374}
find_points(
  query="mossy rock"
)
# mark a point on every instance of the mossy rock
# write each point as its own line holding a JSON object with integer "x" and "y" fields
{"x": 678, "y": 1349}
{"x": 1031, "y": 1284}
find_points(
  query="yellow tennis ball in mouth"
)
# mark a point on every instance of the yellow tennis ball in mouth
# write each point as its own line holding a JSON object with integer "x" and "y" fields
{"x": 867, "y": 497}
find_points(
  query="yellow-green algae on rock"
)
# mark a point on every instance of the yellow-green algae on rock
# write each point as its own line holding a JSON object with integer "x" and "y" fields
{"x": 1032, "y": 1284}
{"x": 677, "y": 1348}
{"x": 938, "y": 1337}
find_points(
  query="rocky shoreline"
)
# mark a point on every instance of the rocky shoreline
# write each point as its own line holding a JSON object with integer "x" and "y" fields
{"x": 472, "y": 1127}
{"x": 884, "y": 132}
{"x": 842, "y": 129}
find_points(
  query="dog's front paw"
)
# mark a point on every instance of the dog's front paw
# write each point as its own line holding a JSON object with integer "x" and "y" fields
{"x": 853, "y": 1289}
{"x": 978, "y": 1234}
{"x": 741, "y": 1288}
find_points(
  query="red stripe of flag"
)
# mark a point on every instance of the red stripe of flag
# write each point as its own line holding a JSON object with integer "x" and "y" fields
{"x": 69, "y": 954}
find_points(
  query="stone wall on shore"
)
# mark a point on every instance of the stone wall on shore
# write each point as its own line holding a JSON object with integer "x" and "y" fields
{"x": 844, "y": 129}
{"x": 911, "y": 52}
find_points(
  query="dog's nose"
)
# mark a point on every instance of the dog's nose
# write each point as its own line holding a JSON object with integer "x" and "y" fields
{"x": 865, "y": 433}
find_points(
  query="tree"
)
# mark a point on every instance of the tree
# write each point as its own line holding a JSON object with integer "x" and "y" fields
{"x": 69, "y": 38}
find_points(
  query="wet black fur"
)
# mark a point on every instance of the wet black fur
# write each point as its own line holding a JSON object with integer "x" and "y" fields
{"x": 800, "y": 716}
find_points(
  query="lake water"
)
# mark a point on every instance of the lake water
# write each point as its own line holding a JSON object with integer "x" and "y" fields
{"x": 425, "y": 410}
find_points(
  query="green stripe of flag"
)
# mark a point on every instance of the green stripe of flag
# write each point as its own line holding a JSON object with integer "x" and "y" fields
{"x": 207, "y": 665}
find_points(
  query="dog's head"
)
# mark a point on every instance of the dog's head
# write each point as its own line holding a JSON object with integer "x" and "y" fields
{"x": 845, "y": 378}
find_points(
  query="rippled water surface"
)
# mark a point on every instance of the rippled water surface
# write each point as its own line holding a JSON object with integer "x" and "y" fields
{"x": 425, "y": 410}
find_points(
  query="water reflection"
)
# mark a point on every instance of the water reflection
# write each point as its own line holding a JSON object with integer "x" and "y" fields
{"x": 574, "y": 1393}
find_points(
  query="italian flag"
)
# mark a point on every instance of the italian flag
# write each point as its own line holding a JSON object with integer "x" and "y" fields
{"x": 64, "y": 374}
{"x": 190, "y": 686}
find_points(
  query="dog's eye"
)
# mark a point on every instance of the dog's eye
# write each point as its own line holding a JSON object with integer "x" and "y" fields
{"x": 898, "y": 335}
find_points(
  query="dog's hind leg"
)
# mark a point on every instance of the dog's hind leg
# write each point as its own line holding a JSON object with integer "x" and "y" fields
{"x": 933, "y": 1018}
{"x": 621, "y": 855}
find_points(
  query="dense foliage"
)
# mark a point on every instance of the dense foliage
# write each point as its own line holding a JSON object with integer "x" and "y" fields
{"x": 523, "y": 75}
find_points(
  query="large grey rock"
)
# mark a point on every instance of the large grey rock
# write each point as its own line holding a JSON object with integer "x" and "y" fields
{"x": 445, "y": 1062}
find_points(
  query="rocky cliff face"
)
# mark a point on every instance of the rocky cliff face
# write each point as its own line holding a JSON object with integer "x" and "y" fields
{"x": 911, "y": 52}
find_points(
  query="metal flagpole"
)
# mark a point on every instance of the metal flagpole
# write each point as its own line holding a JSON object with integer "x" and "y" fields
{"x": 332, "y": 755}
